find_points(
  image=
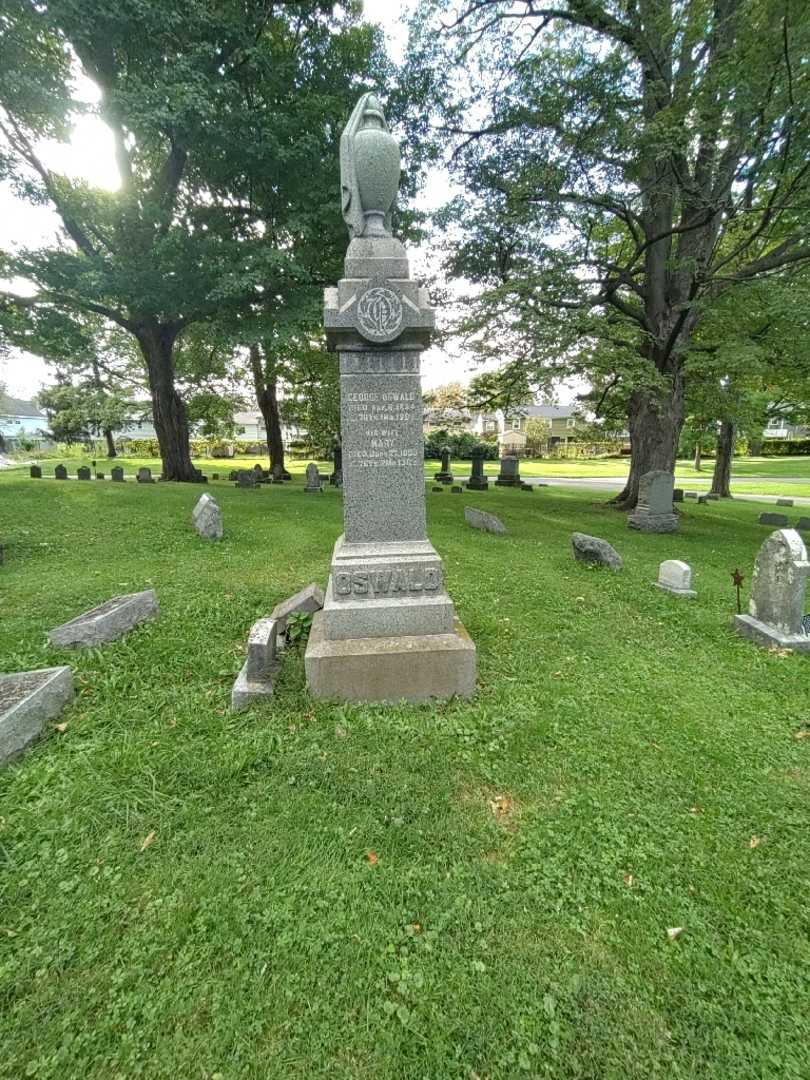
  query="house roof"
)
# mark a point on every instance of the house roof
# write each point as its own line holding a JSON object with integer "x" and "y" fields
{"x": 546, "y": 412}
{"x": 10, "y": 406}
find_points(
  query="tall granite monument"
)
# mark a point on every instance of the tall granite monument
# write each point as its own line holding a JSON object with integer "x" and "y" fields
{"x": 388, "y": 630}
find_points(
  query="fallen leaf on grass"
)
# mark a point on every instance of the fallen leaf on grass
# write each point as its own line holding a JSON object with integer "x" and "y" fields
{"x": 62, "y": 728}
{"x": 340, "y": 733}
{"x": 754, "y": 842}
{"x": 694, "y": 809}
{"x": 150, "y": 839}
{"x": 629, "y": 880}
{"x": 674, "y": 932}
{"x": 801, "y": 734}
{"x": 372, "y": 858}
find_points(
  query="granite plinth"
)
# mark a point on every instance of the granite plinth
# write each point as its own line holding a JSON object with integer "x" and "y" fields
{"x": 770, "y": 637}
{"x": 28, "y": 700}
{"x": 389, "y": 669}
{"x": 652, "y": 523}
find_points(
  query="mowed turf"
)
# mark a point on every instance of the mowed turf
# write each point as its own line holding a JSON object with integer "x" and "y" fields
{"x": 474, "y": 889}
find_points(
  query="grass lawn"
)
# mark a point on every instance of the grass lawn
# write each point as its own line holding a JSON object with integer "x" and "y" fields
{"x": 469, "y": 890}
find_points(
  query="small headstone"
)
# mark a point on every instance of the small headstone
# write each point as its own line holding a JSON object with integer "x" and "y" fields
{"x": 478, "y": 480}
{"x": 255, "y": 680}
{"x": 36, "y": 472}
{"x": 437, "y": 488}
{"x": 780, "y": 521}
{"x": 480, "y": 519}
{"x": 307, "y": 601}
{"x": 206, "y": 517}
{"x": 776, "y": 609}
{"x": 106, "y": 622}
{"x": 144, "y": 475}
{"x": 653, "y": 512}
{"x": 28, "y": 700}
{"x": 592, "y": 549}
{"x": 712, "y": 497}
{"x": 803, "y": 524}
{"x": 444, "y": 476}
{"x": 509, "y": 476}
{"x": 690, "y": 494}
{"x": 246, "y": 478}
{"x": 60, "y": 473}
{"x": 675, "y": 577}
{"x": 703, "y": 499}
{"x": 232, "y": 475}
{"x": 83, "y": 473}
{"x": 117, "y": 474}
{"x": 314, "y": 485}
{"x": 526, "y": 487}
{"x": 677, "y": 495}
{"x": 215, "y": 476}
{"x": 99, "y": 476}
{"x": 456, "y": 489}
{"x": 784, "y": 502}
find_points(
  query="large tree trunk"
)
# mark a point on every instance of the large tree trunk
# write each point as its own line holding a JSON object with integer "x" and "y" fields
{"x": 721, "y": 481}
{"x": 168, "y": 410}
{"x": 699, "y": 453}
{"x": 265, "y": 387}
{"x": 108, "y": 435}
{"x": 655, "y": 423}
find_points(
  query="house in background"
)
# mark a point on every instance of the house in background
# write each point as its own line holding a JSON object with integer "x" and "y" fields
{"x": 781, "y": 427}
{"x": 510, "y": 427}
{"x": 22, "y": 420}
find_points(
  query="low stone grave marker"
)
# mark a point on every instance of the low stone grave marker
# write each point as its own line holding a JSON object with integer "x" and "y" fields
{"x": 206, "y": 517}
{"x": 314, "y": 483}
{"x": 99, "y": 476}
{"x": 106, "y": 622}
{"x": 60, "y": 473}
{"x": 480, "y": 519}
{"x": 456, "y": 489}
{"x": 526, "y": 487}
{"x": 306, "y": 602}
{"x": 509, "y": 475}
{"x": 690, "y": 494}
{"x": 776, "y": 608}
{"x": 710, "y": 495}
{"x": 28, "y": 700}
{"x": 83, "y": 472}
{"x": 784, "y": 502}
{"x": 144, "y": 476}
{"x": 677, "y": 495}
{"x": 704, "y": 499}
{"x": 781, "y": 521}
{"x": 653, "y": 512}
{"x": 444, "y": 476}
{"x": 36, "y": 472}
{"x": 215, "y": 476}
{"x": 803, "y": 524}
{"x": 255, "y": 680}
{"x": 675, "y": 576}
{"x": 246, "y": 478}
{"x": 117, "y": 474}
{"x": 438, "y": 489}
{"x": 478, "y": 480}
{"x": 594, "y": 550}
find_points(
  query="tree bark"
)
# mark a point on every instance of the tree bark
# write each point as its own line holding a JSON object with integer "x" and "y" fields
{"x": 266, "y": 398}
{"x": 721, "y": 481}
{"x": 168, "y": 410}
{"x": 699, "y": 453}
{"x": 655, "y": 423}
{"x": 108, "y": 435}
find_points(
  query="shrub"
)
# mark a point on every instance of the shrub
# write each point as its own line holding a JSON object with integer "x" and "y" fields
{"x": 785, "y": 447}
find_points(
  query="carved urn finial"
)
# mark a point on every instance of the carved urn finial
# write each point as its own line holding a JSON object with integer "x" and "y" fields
{"x": 369, "y": 170}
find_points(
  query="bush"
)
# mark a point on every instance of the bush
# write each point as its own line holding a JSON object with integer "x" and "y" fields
{"x": 461, "y": 445}
{"x": 785, "y": 447}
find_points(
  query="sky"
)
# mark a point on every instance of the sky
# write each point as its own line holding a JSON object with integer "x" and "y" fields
{"x": 89, "y": 155}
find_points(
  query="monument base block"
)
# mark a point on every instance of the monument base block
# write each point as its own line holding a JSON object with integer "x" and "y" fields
{"x": 653, "y": 523}
{"x": 768, "y": 636}
{"x": 408, "y": 668}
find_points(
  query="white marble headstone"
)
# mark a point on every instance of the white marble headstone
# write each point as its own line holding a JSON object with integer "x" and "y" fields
{"x": 675, "y": 576}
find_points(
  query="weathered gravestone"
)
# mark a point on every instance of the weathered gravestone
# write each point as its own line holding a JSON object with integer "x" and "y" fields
{"x": 388, "y": 629}
{"x": 206, "y": 517}
{"x": 60, "y": 473}
{"x": 480, "y": 519}
{"x": 653, "y": 512}
{"x": 691, "y": 494}
{"x": 246, "y": 478}
{"x": 144, "y": 476}
{"x": 675, "y": 576}
{"x": 255, "y": 680}
{"x": 36, "y": 472}
{"x": 336, "y": 477}
{"x": 314, "y": 485}
{"x": 784, "y": 502}
{"x": 778, "y": 587}
{"x": 83, "y": 473}
{"x": 117, "y": 474}
{"x": 106, "y": 622}
{"x": 677, "y": 495}
{"x": 478, "y": 480}
{"x": 437, "y": 488}
{"x": 444, "y": 476}
{"x": 594, "y": 550}
{"x": 456, "y": 489}
{"x": 99, "y": 476}
{"x": 803, "y": 524}
{"x": 509, "y": 476}
{"x": 781, "y": 521}
{"x": 28, "y": 700}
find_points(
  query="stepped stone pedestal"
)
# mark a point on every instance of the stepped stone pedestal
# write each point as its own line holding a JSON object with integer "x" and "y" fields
{"x": 388, "y": 630}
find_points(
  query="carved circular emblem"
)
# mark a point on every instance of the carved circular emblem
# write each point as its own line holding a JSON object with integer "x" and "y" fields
{"x": 379, "y": 314}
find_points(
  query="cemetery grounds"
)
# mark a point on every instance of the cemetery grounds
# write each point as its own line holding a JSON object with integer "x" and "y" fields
{"x": 486, "y": 889}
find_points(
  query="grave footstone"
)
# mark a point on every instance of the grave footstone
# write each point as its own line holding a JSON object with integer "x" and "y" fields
{"x": 478, "y": 480}
{"x": 314, "y": 485}
{"x": 526, "y": 487}
{"x": 144, "y": 475}
{"x": 83, "y": 472}
{"x": 255, "y": 681}
{"x": 106, "y": 622}
{"x": 28, "y": 700}
{"x": 509, "y": 476}
{"x": 60, "y": 473}
{"x": 36, "y": 472}
{"x": 456, "y": 489}
{"x": 206, "y": 518}
{"x": 444, "y": 476}
{"x": 99, "y": 476}
{"x": 594, "y": 550}
{"x": 784, "y": 502}
{"x": 117, "y": 474}
{"x": 653, "y": 512}
{"x": 388, "y": 630}
{"x": 675, "y": 576}
{"x": 703, "y": 499}
{"x": 438, "y": 489}
{"x": 306, "y": 602}
{"x": 480, "y": 519}
{"x": 690, "y": 494}
{"x": 780, "y": 521}
{"x": 776, "y": 609}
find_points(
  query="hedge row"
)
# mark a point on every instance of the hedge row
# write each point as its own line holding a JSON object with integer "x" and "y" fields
{"x": 785, "y": 447}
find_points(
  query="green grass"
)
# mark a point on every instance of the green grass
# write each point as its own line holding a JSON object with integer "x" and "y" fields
{"x": 533, "y": 845}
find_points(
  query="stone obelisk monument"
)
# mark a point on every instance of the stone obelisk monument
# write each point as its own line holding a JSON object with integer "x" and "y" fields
{"x": 388, "y": 630}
